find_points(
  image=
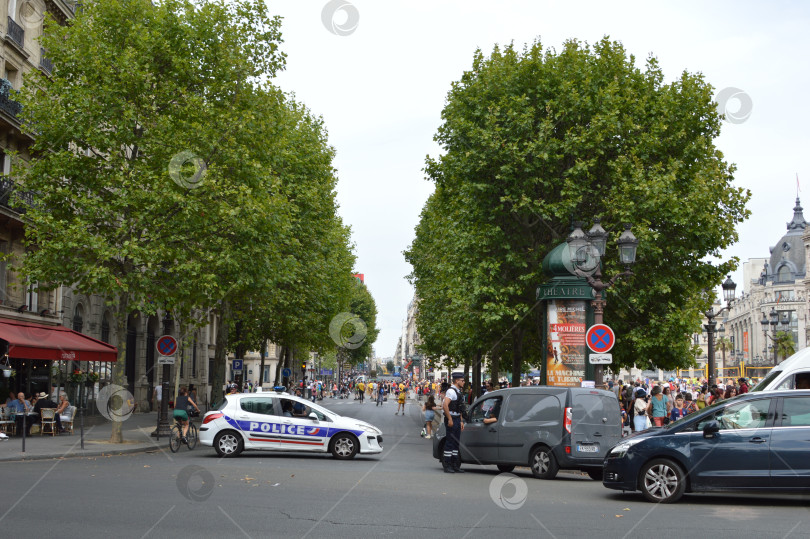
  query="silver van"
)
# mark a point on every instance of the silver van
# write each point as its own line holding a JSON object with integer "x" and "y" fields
{"x": 792, "y": 373}
{"x": 544, "y": 428}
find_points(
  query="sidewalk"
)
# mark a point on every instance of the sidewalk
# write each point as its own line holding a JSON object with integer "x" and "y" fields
{"x": 136, "y": 431}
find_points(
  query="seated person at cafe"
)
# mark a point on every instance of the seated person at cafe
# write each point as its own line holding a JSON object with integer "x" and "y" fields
{"x": 11, "y": 398}
{"x": 64, "y": 404}
{"x": 44, "y": 401}
{"x": 20, "y": 407}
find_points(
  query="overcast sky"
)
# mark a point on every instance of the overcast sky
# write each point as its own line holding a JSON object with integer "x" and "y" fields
{"x": 378, "y": 72}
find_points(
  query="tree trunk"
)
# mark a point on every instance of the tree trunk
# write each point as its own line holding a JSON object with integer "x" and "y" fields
{"x": 494, "y": 361}
{"x": 517, "y": 356}
{"x": 279, "y": 365}
{"x": 119, "y": 369}
{"x": 476, "y": 376}
{"x": 287, "y": 362}
{"x": 467, "y": 363}
{"x": 181, "y": 346}
{"x": 219, "y": 352}
{"x": 261, "y": 364}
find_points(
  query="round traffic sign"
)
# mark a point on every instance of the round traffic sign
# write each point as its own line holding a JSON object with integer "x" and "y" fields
{"x": 166, "y": 345}
{"x": 600, "y": 338}
{"x": 286, "y": 373}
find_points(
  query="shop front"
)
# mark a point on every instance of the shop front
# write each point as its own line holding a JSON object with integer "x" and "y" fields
{"x": 39, "y": 358}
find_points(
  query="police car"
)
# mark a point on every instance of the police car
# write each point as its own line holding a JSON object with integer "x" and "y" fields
{"x": 284, "y": 422}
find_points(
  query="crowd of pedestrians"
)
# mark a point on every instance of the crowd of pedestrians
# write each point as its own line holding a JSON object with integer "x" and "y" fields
{"x": 645, "y": 404}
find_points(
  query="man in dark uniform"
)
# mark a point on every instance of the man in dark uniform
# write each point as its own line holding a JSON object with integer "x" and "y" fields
{"x": 454, "y": 424}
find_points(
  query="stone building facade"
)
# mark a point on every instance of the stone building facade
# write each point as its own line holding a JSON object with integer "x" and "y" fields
{"x": 777, "y": 283}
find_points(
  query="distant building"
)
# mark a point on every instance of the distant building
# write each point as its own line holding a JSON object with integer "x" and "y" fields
{"x": 775, "y": 284}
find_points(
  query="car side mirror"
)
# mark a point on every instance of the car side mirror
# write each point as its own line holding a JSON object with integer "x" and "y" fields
{"x": 710, "y": 428}
{"x": 313, "y": 416}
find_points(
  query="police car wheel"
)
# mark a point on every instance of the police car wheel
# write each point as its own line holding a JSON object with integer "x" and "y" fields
{"x": 543, "y": 463}
{"x": 228, "y": 444}
{"x": 344, "y": 446}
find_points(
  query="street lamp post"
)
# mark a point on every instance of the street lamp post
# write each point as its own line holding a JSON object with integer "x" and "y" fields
{"x": 773, "y": 320}
{"x": 728, "y": 294}
{"x": 163, "y": 428}
{"x": 587, "y": 251}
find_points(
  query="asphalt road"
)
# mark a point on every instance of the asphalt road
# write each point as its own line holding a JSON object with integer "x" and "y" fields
{"x": 400, "y": 493}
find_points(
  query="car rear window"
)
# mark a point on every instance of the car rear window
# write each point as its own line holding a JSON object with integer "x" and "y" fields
{"x": 796, "y": 412}
{"x": 533, "y": 409}
{"x": 257, "y": 405}
{"x": 592, "y": 408}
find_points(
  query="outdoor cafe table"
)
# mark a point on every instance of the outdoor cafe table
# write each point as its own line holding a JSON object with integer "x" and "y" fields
{"x": 18, "y": 417}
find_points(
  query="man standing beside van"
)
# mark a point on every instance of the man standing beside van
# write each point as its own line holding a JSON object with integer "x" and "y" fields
{"x": 454, "y": 424}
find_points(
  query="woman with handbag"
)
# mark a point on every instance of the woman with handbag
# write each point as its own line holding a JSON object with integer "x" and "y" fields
{"x": 640, "y": 411}
{"x": 658, "y": 408}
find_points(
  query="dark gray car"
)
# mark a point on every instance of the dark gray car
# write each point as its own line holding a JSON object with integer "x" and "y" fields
{"x": 545, "y": 428}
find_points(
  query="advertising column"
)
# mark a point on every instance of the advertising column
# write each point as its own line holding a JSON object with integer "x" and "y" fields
{"x": 566, "y": 351}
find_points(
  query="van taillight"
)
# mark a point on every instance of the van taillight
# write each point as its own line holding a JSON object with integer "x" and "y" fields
{"x": 210, "y": 417}
{"x": 568, "y": 416}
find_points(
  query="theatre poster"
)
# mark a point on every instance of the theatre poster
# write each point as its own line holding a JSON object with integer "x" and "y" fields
{"x": 566, "y": 352}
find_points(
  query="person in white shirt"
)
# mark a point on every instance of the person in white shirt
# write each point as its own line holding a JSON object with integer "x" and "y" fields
{"x": 158, "y": 396}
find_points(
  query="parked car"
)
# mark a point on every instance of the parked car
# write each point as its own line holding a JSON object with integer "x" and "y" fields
{"x": 545, "y": 428}
{"x": 284, "y": 422}
{"x": 756, "y": 442}
{"x": 792, "y": 373}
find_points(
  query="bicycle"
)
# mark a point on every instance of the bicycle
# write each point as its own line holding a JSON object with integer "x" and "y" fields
{"x": 175, "y": 439}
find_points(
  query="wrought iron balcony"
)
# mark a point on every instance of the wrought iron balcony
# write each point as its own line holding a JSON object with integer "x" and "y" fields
{"x": 8, "y": 105}
{"x": 45, "y": 63}
{"x": 18, "y": 203}
{"x": 15, "y": 33}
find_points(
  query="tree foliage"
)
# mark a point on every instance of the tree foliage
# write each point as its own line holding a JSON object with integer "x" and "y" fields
{"x": 170, "y": 173}
{"x": 534, "y": 138}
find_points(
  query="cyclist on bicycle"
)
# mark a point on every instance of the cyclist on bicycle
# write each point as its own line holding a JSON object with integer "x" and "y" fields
{"x": 180, "y": 410}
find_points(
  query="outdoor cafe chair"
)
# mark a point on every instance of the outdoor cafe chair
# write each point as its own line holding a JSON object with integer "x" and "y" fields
{"x": 48, "y": 421}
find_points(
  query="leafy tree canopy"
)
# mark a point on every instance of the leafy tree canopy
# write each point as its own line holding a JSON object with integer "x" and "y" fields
{"x": 534, "y": 138}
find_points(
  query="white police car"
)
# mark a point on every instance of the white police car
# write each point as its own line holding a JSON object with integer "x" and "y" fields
{"x": 284, "y": 422}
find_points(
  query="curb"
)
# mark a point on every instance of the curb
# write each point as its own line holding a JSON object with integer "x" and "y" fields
{"x": 21, "y": 457}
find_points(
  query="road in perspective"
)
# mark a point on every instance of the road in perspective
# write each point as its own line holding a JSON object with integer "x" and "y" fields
{"x": 400, "y": 493}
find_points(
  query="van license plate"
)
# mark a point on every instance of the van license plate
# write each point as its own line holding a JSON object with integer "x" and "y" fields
{"x": 587, "y": 449}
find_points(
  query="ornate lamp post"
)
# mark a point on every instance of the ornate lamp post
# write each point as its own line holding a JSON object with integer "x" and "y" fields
{"x": 163, "y": 427}
{"x": 587, "y": 251}
{"x": 773, "y": 320}
{"x": 729, "y": 287}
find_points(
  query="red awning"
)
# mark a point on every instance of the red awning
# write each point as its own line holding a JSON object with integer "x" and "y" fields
{"x": 36, "y": 341}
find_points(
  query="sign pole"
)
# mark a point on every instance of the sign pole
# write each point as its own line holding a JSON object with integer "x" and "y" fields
{"x": 166, "y": 347}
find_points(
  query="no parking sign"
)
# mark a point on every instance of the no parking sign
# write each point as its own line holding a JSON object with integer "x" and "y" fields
{"x": 600, "y": 338}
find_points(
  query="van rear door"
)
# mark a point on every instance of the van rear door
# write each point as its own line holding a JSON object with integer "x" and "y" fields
{"x": 596, "y": 423}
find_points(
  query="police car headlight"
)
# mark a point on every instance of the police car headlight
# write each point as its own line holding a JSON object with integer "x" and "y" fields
{"x": 370, "y": 429}
{"x": 621, "y": 449}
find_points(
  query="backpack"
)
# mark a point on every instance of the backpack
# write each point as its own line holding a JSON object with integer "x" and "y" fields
{"x": 628, "y": 394}
{"x": 462, "y": 404}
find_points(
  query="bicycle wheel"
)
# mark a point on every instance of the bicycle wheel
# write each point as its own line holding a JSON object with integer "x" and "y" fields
{"x": 192, "y": 436}
{"x": 174, "y": 439}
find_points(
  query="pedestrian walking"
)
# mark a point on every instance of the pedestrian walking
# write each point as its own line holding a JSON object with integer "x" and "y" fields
{"x": 640, "y": 411}
{"x": 430, "y": 412}
{"x": 454, "y": 424}
{"x": 659, "y": 407}
{"x": 401, "y": 401}
{"x": 380, "y": 395}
